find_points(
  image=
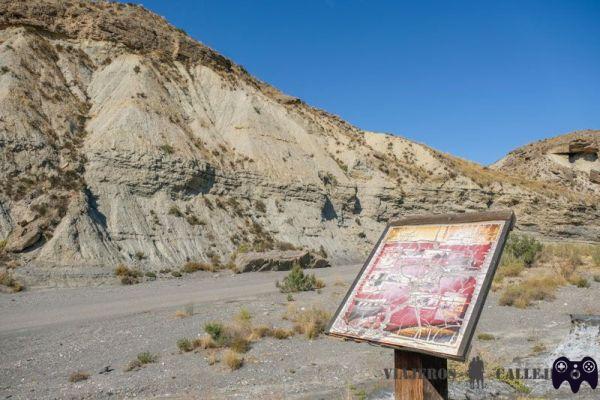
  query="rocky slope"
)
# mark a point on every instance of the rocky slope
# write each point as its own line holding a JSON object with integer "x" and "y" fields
{"x": 124, "y": 140}
{"x": 571, "y": 161}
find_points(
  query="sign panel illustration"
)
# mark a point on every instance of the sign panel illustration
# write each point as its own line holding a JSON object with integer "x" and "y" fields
{"x": 420, "y": 287}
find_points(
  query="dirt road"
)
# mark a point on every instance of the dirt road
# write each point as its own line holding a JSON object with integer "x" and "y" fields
{"x": 38, "y": 308}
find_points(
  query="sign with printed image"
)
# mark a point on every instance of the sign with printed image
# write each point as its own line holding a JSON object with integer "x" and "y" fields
{"x": 424, "y": 284}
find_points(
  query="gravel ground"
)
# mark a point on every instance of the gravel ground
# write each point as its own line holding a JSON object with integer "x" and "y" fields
{"x": 46, "y": 335}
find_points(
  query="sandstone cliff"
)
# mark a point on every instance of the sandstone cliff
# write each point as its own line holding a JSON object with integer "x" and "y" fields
{"x": 124, "y": 140}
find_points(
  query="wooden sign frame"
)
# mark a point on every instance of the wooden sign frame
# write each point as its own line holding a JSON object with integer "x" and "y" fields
{"x": 506, "y": 216}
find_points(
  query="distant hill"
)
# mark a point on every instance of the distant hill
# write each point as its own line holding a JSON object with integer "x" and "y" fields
{"x": 571, "y": 161}
{"x": 124, "y": 140}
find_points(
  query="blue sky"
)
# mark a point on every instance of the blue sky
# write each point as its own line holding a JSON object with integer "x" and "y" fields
{"x": 472, "y": 78}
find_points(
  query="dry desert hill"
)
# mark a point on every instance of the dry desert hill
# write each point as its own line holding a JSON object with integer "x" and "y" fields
{"x": 124, "y": 140}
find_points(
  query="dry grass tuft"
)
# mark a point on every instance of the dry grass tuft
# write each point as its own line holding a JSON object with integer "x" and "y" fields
{"x": 311, "y": 322}
{"x": 6, "y": 279}
{"x": 282, "y": 333}
{"x": 128, "y": 276}
{"x": 524, "y": 293}
{"x": 188, "y": 311}
{"x": 212, "y": 358}
{"x": 191, "y": 267}
{"x": 486, "y": 336}
{"x": 185, "y": 345}
{"x": 232, "y": 359}
{"x": 78, "y": 376}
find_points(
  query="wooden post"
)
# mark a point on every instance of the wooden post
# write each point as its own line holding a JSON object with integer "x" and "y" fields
{"x": 411, "y": 376}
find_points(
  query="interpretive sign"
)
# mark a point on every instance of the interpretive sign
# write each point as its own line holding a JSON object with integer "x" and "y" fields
{"x": 424, "y": 284}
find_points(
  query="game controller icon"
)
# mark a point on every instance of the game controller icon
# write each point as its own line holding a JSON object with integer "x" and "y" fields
{"x": 574, "y": 372}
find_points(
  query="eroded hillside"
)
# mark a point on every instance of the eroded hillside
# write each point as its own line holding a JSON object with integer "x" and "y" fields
{"x": 124, "y": 140}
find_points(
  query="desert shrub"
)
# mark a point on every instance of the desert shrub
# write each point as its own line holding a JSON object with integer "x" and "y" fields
{"x": 184, "y": 345}
{"x": 204, "y": 342}
{"x": 212, "y": 358}
{"x": 128, "y": 276}
{"x": 215, "y": 330}
{"x": 284, "y": 246}
{"x": 128, "y": 280}
{"x": 311, "y": 322}
{"x": 260, "y": 206}
{"x": 238, "y": 344}
{"x": 527, "y": 291}
{"x": 191, "y": 267}
{"x": 523, "y": 247}
{"x": 297, "y": 281}
{"x": 122, "y": 270}
{"x": 141, "y": 360}
{"x": 578, "y": 281}
{"x": 176, "y": 274}
{"x": 259, "y": 332}
{"x": 174, "y": 210}
{"x": 140, "y": 255}
{"x": 243, "y": 316}
{"x": 486, "y": 336}
{"x": 193, "y": 220}
{"x": 290, "y": 297}
{"x": 6, "y": 279}
{"x": 510, "y": 266}
{"x": 167, "y": 149}
{"x": 232, "y": 359}
{"x": 78, "y": 376}
{"x": 282, "y": 333}
{"x": 147, "y": 358}
{"x": 150, "y": 274}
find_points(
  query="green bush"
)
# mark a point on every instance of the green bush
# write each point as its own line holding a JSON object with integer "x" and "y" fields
{"x": 523, "y": 247}
{"x": 184, "y": 345}
{"x": 215, "y": 330}
{"x": 297, "y": 281}
{"x": 147, "y": 357}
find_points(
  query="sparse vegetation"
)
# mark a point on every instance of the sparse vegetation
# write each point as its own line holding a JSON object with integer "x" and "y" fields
{"x": 311, "y": 321}
{"x": 184, "y": 345}
{"x": 141, "y": 360}
{"x": 174, "y": 210}
{"x": 538, "y": 348}
{"x": 193, "y": 220}
{"x": 176, "y": 274}
{"x": 232, "y": 359}
{"x": 524, "y": 293}
{"x": 190, "y": 267}
{"x": 188, "y": 311}
{"x": 78, "y": 376}
{"x": 167, "y": 149}
{"x": 7, "y": 280}
{"x": 147, "y": 357}
{"x": 523, "y": 247}
{"x": 486, "y": 337}
{"x": 260, "y": 206}
{"x": 281, "y": 333}
{"x": 297, "y": 281}
{"x": 128, "y": 276}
